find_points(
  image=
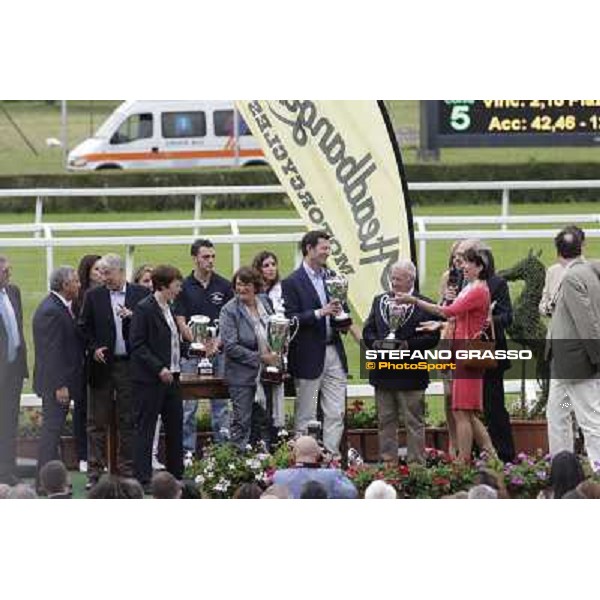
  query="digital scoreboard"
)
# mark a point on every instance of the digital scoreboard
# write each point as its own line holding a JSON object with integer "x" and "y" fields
{"x": 472, "y": 123}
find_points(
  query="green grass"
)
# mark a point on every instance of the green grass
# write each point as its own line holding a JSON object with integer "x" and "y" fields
{"x": 39, "y": 120}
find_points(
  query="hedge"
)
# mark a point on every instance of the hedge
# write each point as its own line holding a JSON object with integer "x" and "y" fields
{"x": 264, "y": 176}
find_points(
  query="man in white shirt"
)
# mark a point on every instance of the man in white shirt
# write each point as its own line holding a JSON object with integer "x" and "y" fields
{"x": 105, "y": 320}
{"x": 317, "y": 358}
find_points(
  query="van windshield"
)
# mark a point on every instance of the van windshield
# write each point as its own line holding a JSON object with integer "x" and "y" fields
{"x": 108, "y": 127}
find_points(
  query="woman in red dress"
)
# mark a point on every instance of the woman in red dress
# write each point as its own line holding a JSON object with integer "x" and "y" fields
{"x": 470, "y": 312}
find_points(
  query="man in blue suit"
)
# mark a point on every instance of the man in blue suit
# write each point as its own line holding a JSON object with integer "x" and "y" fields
{"x": 317, "y": 358}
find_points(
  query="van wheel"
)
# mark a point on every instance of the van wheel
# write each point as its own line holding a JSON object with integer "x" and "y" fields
{"x": 256, "y": 163}
{"x": 107, "y": 167}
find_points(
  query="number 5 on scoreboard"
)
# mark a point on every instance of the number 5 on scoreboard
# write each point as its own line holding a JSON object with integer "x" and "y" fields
{"x": 460, "y": 118}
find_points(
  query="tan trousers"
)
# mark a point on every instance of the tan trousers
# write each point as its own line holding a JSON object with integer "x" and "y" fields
{"x": 412, "y": 405}
{"x": 332, "y": 385}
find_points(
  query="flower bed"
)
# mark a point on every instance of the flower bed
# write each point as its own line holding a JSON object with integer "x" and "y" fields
{"x": 223, "y": 469}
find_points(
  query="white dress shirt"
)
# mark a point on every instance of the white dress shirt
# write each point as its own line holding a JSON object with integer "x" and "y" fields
{"x": 317, "y": 278}
{"x": 10, "y": 323}
{"x": 117, "y": 301}
{"x": 175, "y": 350}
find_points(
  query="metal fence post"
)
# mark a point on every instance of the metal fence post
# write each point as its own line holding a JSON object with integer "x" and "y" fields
{"x": 39, "y": 214}
{"x": 197, "y": 212}
{"x": 129, "y": 261}
{"x": 505, "y": 206}
{"x": 421, "y": 228}
{"x": 49, "y": 254}
{"x": 235, "y": 230}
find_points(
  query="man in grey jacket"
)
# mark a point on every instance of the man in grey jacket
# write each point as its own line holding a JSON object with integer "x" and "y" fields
{"x": 573, "y": 346}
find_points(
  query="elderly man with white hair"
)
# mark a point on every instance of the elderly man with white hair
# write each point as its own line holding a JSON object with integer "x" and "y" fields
{"x": 105, "y": 322}
{"x": 395, "y": 391}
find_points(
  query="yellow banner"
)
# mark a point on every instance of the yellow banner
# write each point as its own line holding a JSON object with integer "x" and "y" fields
{"x": 341, "y": 168}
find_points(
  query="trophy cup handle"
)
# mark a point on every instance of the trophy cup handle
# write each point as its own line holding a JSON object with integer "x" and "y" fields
{"x": 295, "y": 327}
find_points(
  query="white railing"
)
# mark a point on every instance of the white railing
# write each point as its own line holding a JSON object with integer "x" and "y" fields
{"x": 504, "y": 187}
{"x": 44, "y": 232}
{"x": 235, "y": 236}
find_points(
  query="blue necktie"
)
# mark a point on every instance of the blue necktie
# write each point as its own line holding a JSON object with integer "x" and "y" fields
{"x": 12, "y": 333}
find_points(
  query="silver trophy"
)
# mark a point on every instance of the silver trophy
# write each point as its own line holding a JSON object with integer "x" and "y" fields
{"x": 337, "y": 287}
{"x": 394, "y": 315}
{"x": 395, "y": 318}
{"x": 201, "y": 331}
{"x": 280, "y": 332}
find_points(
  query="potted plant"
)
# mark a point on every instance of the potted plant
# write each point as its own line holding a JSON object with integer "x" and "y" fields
{"x": 30, "y": 427}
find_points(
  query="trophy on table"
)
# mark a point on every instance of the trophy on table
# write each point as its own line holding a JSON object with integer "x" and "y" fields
{"x": 280, "y": 332}
{"x": 337, "y": 287}
{"x": 201, "y": 331}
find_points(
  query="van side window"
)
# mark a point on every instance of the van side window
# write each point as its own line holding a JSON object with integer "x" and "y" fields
{"x": 135, "y": 127}
{"x": 183, "y": 124}
{"x": 224, "y": 124}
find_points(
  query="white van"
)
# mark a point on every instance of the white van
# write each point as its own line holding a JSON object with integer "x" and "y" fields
{"x": 149, "y": 134}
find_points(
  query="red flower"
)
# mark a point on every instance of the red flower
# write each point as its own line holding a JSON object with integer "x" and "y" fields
{"x": 441, "y": 481}
{"x": 356, "y": 406}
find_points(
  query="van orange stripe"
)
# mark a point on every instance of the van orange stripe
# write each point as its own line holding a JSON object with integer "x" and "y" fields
{"x": 170, "y": 155}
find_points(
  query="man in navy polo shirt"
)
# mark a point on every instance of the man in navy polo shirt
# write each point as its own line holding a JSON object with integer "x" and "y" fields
{"x": 204, "y": 293}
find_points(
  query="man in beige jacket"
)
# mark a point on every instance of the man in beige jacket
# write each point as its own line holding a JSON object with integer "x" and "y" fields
{"x": 573, "y": 347}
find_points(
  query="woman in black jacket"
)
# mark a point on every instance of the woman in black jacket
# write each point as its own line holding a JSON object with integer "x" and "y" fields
{"x": 155, "y": 355}
{"x": 90, "y": 276}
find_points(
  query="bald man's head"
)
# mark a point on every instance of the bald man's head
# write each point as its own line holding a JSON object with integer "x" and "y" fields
{"x": 306, "y": 450}
{"x": 568, "y": 243}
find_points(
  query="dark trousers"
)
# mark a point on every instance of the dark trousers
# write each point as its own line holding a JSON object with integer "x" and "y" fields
{"x": 261, "y": 422}
{"x": 115, "y": 395}
{"x": 497, "y": 418}
{"x": 242, "y": 401}
{"x": 152, "y": 400}
{"x": 11, "y": 385}
{"x": 80, "y": 424}
{"x": 54, "y": 416}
